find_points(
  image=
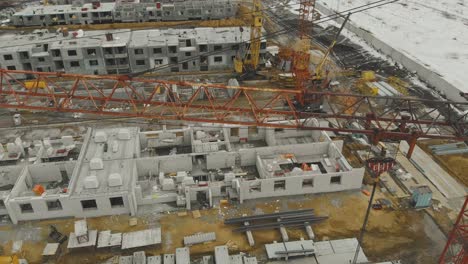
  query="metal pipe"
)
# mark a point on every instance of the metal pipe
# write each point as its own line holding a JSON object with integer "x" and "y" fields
{"x": 295, "y": 251}
{"x": 266, "y": 216}
{"x": 299, "y": 222}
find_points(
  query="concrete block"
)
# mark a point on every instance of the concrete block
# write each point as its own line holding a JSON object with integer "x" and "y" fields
{"x": 96, "y": 164}
{"x": 67, "y": 140}
{"x": 169, "y": 259}
{"x": 181, "y": 200}
{"x": 229, "y": 176}
{"x": 200, "y": 135}
{"x": 310, "y": 232}
{"x": 123, "y": 134}
{"x": 100, "y": 137}
{"x": 199, "y": 238}
{"x": 249, "y": 235}
{"x": 198, "y": 146}
{"x": 206, "y": 147}
{"x": 153, "y": 260}
{"x": 168, "y": 184}
{"x": 91, "y": 182}
{"x": 49, "y": 151}
{"x": 18, "y": 245}
{"x": 115, "y": 179}
{"x": 284, "y": 234}
{"x": 161, "y": 177}
{"x": 214, "y": 147}
{"x": 115, "y": 146}
{"x": 12, "y": 148}
{"x": 181, "y": 176}
{"x": 188, "y": 181}
{"x": 139, "y": 257}
{"x": 250, "y": 238}
{"x": 46, "y": 142}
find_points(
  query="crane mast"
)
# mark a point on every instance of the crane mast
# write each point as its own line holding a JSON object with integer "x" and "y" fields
{"x": 249, "y": 61}
{"x": 301, "y": 57}
{"x": 318, "y": 75}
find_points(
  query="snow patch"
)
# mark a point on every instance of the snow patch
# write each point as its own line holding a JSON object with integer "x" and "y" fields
{"x": 434, "y": 32}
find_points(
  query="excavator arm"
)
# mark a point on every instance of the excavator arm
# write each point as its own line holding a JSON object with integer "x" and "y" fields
{"x": 319, "y": 69}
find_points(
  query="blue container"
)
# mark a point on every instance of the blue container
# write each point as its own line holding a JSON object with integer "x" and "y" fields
{"x": 422, "y": 197}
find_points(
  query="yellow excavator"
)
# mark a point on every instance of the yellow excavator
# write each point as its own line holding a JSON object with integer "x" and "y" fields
{"x": 9, "y": 259}
{"x": 319, "y": 73}
{"x": 246, "y": 63}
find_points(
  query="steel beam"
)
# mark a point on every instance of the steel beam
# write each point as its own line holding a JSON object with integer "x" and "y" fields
{"x": 272, "y": 216}
{"x": 296, "y": 222}
{"x": 249, "y": 106}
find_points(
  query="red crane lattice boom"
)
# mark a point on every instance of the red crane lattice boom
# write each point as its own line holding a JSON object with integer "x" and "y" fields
{"x": 379, "y": 118}
{"x": 456, "y": 249}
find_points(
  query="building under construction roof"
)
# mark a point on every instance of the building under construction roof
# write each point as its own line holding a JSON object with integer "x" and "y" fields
{"x": 98, "y": 13}
{"x": 120, "y": 170}
{"x": 124, "y": 51}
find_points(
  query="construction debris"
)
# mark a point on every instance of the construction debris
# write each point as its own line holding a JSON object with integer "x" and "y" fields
{"x": 196, "y": 214}
{"x": 199, "y": 238}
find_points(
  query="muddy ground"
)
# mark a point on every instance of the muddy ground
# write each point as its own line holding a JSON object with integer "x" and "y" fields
{"x": 393, "y": 234}
{"x": 455, "y": 164}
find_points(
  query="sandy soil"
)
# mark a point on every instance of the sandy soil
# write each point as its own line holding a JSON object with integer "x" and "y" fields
{"x": 392, "y": 234}
{"x": 456, "y": 164}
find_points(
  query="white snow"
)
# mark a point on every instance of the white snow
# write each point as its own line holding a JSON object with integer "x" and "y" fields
{"x": 434, "y": 32}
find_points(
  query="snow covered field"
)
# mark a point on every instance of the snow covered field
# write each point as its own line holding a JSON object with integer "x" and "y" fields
{"x": 434, "y": 32}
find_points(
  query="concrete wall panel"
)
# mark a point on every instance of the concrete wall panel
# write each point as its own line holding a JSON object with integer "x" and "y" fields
{"x": 294, "y": 185}
{"x": 220, "y": 160}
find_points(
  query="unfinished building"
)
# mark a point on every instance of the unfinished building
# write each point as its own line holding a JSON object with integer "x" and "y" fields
{"x": 121, "y": 51}
{"x": 115, "y": 12}
{"x": 119, "y": 170}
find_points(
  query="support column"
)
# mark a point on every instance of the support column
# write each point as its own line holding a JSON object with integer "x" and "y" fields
{"x": 309, "y": 231}
{"x": 402, "y": 125}
{"x": 369, "y": 118}
{"x": 249, "y": 234}
{"x": 284, "y": 234}
{"x": 188, "y": 204}
{"x": 412, "y": 145}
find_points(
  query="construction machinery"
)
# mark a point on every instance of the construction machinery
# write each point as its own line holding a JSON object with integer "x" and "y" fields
{"x": 369, "y": 84}
{"x": 364, "y": 84}
{"x": 400, "y": 85}
{"x": 56, "y": 236}
{"x": 318, "y": 81}
{"x": 382, "y": 204}
{"x": 247, "y": 60}
{"x": 34, "y": 84}
{"x": 9, "y": 259}
{"x": 321, "y": 75}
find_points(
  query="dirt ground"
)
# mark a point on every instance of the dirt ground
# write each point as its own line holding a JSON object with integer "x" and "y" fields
{"x": 456, "y": 164}
{"x": 408, "y": 235}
